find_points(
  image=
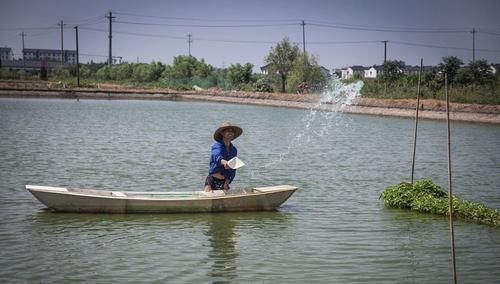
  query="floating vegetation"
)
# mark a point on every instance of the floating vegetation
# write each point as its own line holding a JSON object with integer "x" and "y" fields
{"x": 427, "y": 197}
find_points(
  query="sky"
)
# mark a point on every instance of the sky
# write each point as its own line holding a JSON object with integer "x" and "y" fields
{"x": 339, "y": 33}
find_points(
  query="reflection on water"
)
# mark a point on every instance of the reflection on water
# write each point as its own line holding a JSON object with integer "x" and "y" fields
{"x": 222, "y": 233}
{"x": 222, "y": 240}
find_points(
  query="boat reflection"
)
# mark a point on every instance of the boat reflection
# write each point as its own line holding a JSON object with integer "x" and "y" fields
{"x": 217, "y": 236}
{"x": 222, "y": 233}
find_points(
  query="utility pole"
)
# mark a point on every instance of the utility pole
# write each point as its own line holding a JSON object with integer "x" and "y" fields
{"x": 62, "y": 42}
{"x": 24, "y": 63}
{"x": 303, "y": 36}
{"x": 473, "y": 45}
{"x": 189, "y": 43}
{"x": 110, "y": 56}
{"x": 303, "y": 24}
{"x": 385, "y": 51}
{"x": 77, "y": 60}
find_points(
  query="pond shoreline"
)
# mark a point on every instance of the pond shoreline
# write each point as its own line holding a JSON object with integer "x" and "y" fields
{"x": 429, "y": 109}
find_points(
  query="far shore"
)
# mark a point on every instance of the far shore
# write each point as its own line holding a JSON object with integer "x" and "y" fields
{"x": 428, "y": 109}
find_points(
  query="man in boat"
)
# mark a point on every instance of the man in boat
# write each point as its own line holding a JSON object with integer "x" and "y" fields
{"x": 220, "y": 175}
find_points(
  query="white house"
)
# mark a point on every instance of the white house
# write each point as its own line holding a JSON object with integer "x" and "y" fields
{"x": 373, "y": 72}
{"x": 494, "y": 68}
{"x": 348, "y": 73}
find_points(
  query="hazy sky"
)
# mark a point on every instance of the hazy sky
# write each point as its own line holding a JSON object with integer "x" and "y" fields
{"x": 338, "y": 33}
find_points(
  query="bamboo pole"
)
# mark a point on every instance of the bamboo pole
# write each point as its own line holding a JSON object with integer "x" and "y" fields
{"x": 416, "y": 120}
{"x": 450, "y": 191}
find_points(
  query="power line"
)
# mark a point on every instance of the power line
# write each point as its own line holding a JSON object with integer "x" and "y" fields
{"x": 395, "y": 30}
{"x": 135, "y": 34}
{"x": 182, "y": 37}
{"x": 488, "y": 32}
{"x": 87, "y": 20}
{"x": 205, "y": 19}
{"x": 274, "y": 42}
{"x": 343, "y": 42}
{"x": 27, "y": 29}
{"x": 318, "y": 23}
{"x": 385, "y": 28}
{"x": 237, "y": 41}
{"x": 207, "y": 26}
{"x": 441, "y": 47}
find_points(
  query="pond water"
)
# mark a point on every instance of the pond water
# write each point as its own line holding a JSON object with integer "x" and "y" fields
{"x": 333, "y": 229}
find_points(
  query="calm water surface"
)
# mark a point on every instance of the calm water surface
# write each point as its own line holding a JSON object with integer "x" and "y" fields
{"x": 333, "y": 230}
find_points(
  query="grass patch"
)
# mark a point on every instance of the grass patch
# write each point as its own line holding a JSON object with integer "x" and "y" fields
{"x": 426, "y": 197}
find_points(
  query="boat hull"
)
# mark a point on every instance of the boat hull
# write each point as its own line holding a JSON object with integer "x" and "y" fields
{"x": 97, "y": 201}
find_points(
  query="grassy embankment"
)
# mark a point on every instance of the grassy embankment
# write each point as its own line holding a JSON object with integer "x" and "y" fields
{"x": 404, "y": 88}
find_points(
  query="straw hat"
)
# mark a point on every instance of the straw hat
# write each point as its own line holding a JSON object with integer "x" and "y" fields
{"x": 236, "y": 129}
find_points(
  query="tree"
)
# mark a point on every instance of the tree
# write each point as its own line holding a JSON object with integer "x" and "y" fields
{"x": 306, "y": 68}
{"x": 481, "y": 72}
{"x": 393, "y": 70}
{"x": 239, "y": 75}
{"x": 147, "y": 72}
{"x": 280, "y": 60}
{"x": 450, "y": 66}
{"x": 187, "y": 67}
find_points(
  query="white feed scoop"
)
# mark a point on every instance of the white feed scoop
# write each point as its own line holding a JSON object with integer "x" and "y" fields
{"x": 235, "y": 163}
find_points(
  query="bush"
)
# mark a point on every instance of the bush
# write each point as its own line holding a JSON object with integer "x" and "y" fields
{"x": 10, "y": 74}
{"x": 427, "y": 197}
{"x": 263, "y": 85}
{"x": 240, "y": 75}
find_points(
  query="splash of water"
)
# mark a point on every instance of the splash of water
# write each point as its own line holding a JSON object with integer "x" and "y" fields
{"x": 325, "y": 112}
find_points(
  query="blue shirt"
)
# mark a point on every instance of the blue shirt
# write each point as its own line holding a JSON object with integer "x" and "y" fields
{"x": 220, "y": 152}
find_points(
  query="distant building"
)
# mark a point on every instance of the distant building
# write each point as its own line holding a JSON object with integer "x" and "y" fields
{"x": 348, "y": 73}
{"x": 373, "y": 72}
{"x": 494, "y": 68}
{"x": 264, "y": 68}
{"x": 49, "y": 55}
{"x": 414, "y": 70}
{"x": 6, "y": 53}
{"x": 376, "y": 71}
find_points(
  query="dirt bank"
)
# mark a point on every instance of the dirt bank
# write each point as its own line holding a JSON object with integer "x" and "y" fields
{"x": 430, "y": 109}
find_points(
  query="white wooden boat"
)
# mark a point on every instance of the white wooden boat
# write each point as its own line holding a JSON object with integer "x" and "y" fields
{"x": 61, "y": 199}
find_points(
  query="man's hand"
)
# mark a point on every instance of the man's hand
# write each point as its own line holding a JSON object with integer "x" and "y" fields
{"x": 225, "y": 164}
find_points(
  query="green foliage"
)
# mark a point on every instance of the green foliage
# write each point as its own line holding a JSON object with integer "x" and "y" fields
{"x": 43, "y": 73}
{"x": 427, "y": 197}
{"x": 450, "y": 66}
{"x": 147, "y": 72}
{"x": 306, "y": 68}
{"x": 479, "y": 88}
{"x": 187, "y": 67}
{"x": 60, "y": 73}
{"x": 263, "y": 85}
{"x": 281, "y": 59}
{"x": 5, "y": 73}
{"x": 239, "y": 75}
{"x": 481, "y": 73}
{"x": 104, "y": 73}
{"x": 393, "y": 70}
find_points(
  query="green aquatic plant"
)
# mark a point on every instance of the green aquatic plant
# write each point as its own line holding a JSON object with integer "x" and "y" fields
{"x": 427, "y": 197}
